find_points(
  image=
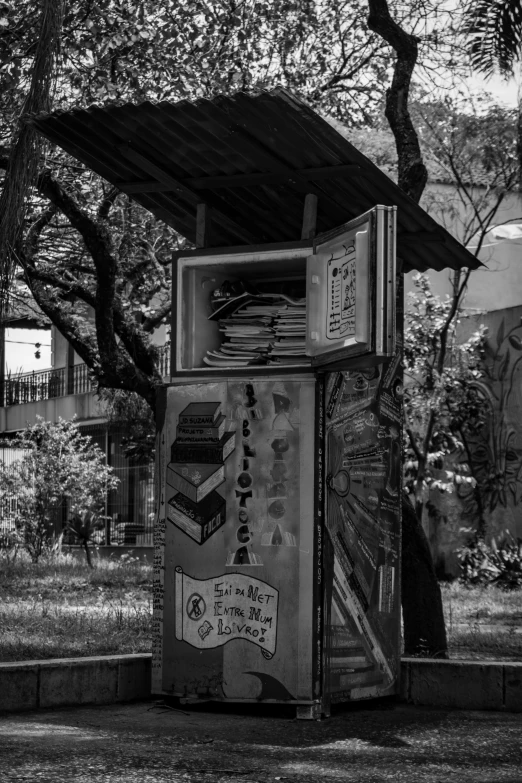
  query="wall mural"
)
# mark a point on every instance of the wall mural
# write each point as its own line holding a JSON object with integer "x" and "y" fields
{"x": 495, "y": 452}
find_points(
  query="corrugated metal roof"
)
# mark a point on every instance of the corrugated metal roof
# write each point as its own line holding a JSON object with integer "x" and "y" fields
{"x": 252, "y": 158}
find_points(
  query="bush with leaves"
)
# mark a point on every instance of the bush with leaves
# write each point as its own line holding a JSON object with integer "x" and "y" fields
{"x": 59, "y": 468}
{"x": 499, "y": 564}
{"x": 443, "y": 401}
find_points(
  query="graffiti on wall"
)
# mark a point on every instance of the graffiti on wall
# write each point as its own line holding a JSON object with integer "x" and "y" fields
{"x": 495, "y": 452}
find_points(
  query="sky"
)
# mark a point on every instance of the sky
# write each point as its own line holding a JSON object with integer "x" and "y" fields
{"x": 504, "y": 91}
{"x": 20, "y": 350}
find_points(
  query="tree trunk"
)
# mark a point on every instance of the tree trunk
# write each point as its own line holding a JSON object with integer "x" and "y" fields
{"x": 424, "y": 628}
{"x": 87, "y": 553}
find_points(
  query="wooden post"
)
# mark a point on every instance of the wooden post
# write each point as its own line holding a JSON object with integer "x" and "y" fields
{"x": 309, "y": 216}
{"x": 203, "y": 225}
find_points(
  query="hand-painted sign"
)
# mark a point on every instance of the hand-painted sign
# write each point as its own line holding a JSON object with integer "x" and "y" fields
{"x": 212, "y": 612}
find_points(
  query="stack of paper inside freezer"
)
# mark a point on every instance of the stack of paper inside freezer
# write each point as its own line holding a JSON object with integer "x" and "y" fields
{"x": 290, "y": 336}
{"x": 259, "y": 334}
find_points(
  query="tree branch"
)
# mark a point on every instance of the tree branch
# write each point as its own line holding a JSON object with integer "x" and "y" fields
{"x": 123, "y": 375}
{"x": 150, "y": 323}
{"x": 412, "y": 175}
{"x": 106, "y": 204}
{"x": 37, "y": 227}
{"x": 97, "y": 243}
{"x": 74, "y": 288}
{"x": 109, "y": 316}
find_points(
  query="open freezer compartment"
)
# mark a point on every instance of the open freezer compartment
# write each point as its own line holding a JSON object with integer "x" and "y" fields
{"x": 240, "y": 310}
{"x": 290, "y": 307}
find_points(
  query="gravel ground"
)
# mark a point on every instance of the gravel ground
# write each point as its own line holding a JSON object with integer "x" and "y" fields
{"x": 152, "y": 743}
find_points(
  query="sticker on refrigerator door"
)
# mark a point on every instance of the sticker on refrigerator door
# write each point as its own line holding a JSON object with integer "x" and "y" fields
{"x": 341, "y": 282}
{"x": 212, "y": 612}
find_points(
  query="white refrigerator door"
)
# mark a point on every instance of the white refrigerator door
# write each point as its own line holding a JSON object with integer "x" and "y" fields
{"x": 351, "y": 289}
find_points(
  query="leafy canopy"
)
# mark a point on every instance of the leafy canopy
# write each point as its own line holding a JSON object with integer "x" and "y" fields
{"x": 442, "y": 400}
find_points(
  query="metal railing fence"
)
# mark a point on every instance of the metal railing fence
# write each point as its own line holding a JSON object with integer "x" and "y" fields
{"x": 33, "y": 386}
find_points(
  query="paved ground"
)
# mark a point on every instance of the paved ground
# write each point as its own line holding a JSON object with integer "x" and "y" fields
{"x": 149, "y": 743}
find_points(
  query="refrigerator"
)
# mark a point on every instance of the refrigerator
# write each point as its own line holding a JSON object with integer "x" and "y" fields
{"x": 278, "y": 473}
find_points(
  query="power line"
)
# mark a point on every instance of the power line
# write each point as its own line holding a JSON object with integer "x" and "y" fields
{"x": 25, "y": 342}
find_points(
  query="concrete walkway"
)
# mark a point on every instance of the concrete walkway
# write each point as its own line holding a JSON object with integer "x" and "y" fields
{"x": 150, "y": 743}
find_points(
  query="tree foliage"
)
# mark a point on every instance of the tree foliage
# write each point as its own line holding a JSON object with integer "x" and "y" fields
{"x": 470, "y": 143}
{"x": 494, "y": 32}
{"x": 443, "y": 400}
{"x": 59, "y": 469}
{"x": 116, "y": 50}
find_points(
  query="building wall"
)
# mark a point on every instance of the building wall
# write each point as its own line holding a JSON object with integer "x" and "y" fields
{"x": 83, "y": 406}
{"x": 499, "y": 284}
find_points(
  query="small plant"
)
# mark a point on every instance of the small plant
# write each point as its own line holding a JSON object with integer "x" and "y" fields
{"x": 84, "y": 525}
{"x": 499, "y": 564}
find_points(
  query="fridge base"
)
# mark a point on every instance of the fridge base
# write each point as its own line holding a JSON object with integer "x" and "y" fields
{"x": 304, "y": 710}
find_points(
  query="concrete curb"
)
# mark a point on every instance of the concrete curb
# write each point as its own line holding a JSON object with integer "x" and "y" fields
{"x": 61, "y": 682}
{"x": 463, "y": 685}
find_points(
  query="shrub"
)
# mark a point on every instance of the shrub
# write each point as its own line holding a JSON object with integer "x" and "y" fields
{"x": 498, "y": 564}
{"x": 57, "y": 470}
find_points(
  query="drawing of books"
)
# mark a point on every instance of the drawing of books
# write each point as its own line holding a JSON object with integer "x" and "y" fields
{"x": 204, "y": 452}
{"x": 197, "y": 520}
{"x": 195, "y": 480}
{"x": 200, "y": 413}
{"x": 201, "y": 433}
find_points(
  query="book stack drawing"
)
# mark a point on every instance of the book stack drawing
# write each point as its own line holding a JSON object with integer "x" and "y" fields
{"x": 197, "y": 468}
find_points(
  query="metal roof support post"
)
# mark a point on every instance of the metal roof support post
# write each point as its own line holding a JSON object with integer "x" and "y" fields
{"x": 203, "y": 225}
{"x": 308, "y": 229}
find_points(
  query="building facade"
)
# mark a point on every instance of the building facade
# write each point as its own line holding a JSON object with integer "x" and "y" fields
{"x": 66, "y": 390}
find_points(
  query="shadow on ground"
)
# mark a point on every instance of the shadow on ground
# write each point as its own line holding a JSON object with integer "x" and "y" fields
{"x": 154, "y": 743}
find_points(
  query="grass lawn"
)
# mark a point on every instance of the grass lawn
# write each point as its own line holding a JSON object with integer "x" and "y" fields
{"x": 64, "y": 609}
{"x": 483, "y": 623}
